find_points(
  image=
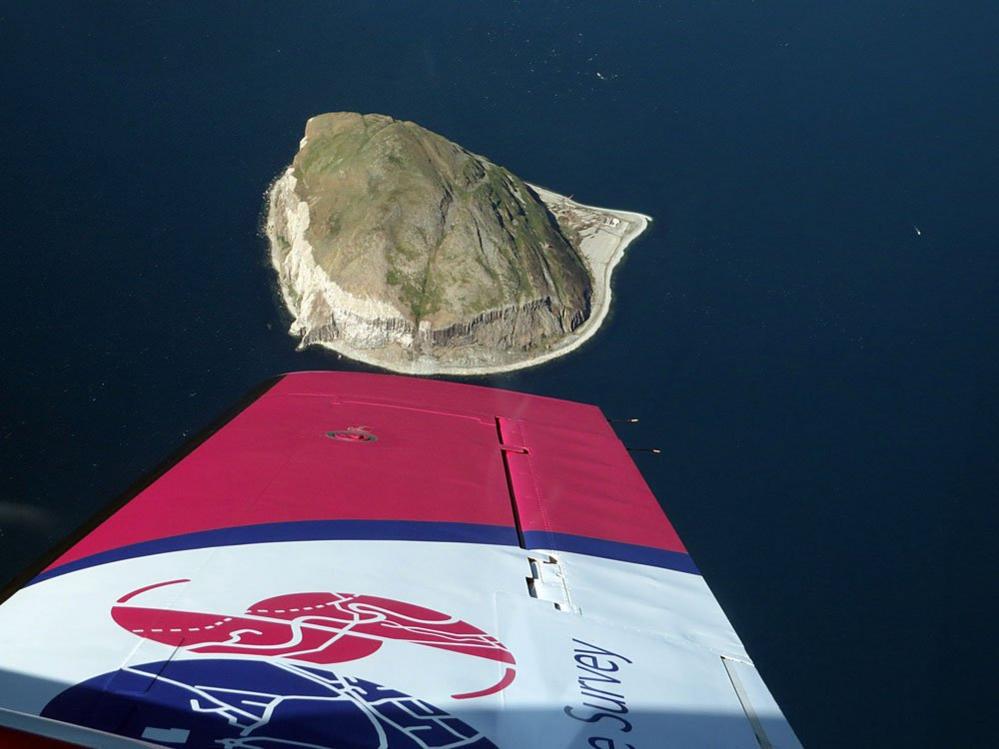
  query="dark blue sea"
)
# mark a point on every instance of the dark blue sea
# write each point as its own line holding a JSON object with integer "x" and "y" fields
{"x": 821, "y": 376}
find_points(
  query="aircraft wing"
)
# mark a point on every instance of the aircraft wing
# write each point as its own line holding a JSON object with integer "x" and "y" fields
{"x": 360, "y": 560}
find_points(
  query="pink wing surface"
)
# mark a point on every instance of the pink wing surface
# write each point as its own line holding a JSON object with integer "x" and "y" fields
{"x": 371, "y": 560}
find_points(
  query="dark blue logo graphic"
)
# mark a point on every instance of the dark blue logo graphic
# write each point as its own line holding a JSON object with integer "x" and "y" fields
{"x": 250, "y": 704}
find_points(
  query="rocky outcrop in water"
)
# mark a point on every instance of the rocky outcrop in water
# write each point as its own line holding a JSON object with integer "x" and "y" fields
{"x": 398, "y": 247}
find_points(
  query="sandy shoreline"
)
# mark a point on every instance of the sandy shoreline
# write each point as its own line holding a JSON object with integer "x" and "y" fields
{"x": 602, "y": 245}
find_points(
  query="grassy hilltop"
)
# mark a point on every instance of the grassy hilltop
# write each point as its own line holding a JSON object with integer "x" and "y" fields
{"x": 406, "y": 216}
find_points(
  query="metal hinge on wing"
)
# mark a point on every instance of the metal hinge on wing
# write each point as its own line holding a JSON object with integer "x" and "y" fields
{"x": 547, "y": 582}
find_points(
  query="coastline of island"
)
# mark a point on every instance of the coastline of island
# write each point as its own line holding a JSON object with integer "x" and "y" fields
{"x": 604, "y": 236}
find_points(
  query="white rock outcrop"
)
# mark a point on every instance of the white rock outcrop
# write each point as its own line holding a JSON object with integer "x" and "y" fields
{"x": 321, "y": 308}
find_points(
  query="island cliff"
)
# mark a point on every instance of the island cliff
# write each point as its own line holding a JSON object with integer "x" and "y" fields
{"x": 398, "y": 247}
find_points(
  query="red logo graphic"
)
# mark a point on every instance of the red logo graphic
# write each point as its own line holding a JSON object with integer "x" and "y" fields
{"x": 318, "y": 628}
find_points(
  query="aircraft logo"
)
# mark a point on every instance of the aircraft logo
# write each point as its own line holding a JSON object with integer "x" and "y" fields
{"x": 267, "y": 684}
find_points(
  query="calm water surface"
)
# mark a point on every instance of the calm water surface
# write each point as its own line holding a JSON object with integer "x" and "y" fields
{"x": 821, "y": 378}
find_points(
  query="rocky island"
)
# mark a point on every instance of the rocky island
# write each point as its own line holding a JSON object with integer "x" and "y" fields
{"x": 396, "y": 247}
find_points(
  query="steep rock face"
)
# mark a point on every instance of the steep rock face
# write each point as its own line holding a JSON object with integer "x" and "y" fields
{"x": 394, "y": 244}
